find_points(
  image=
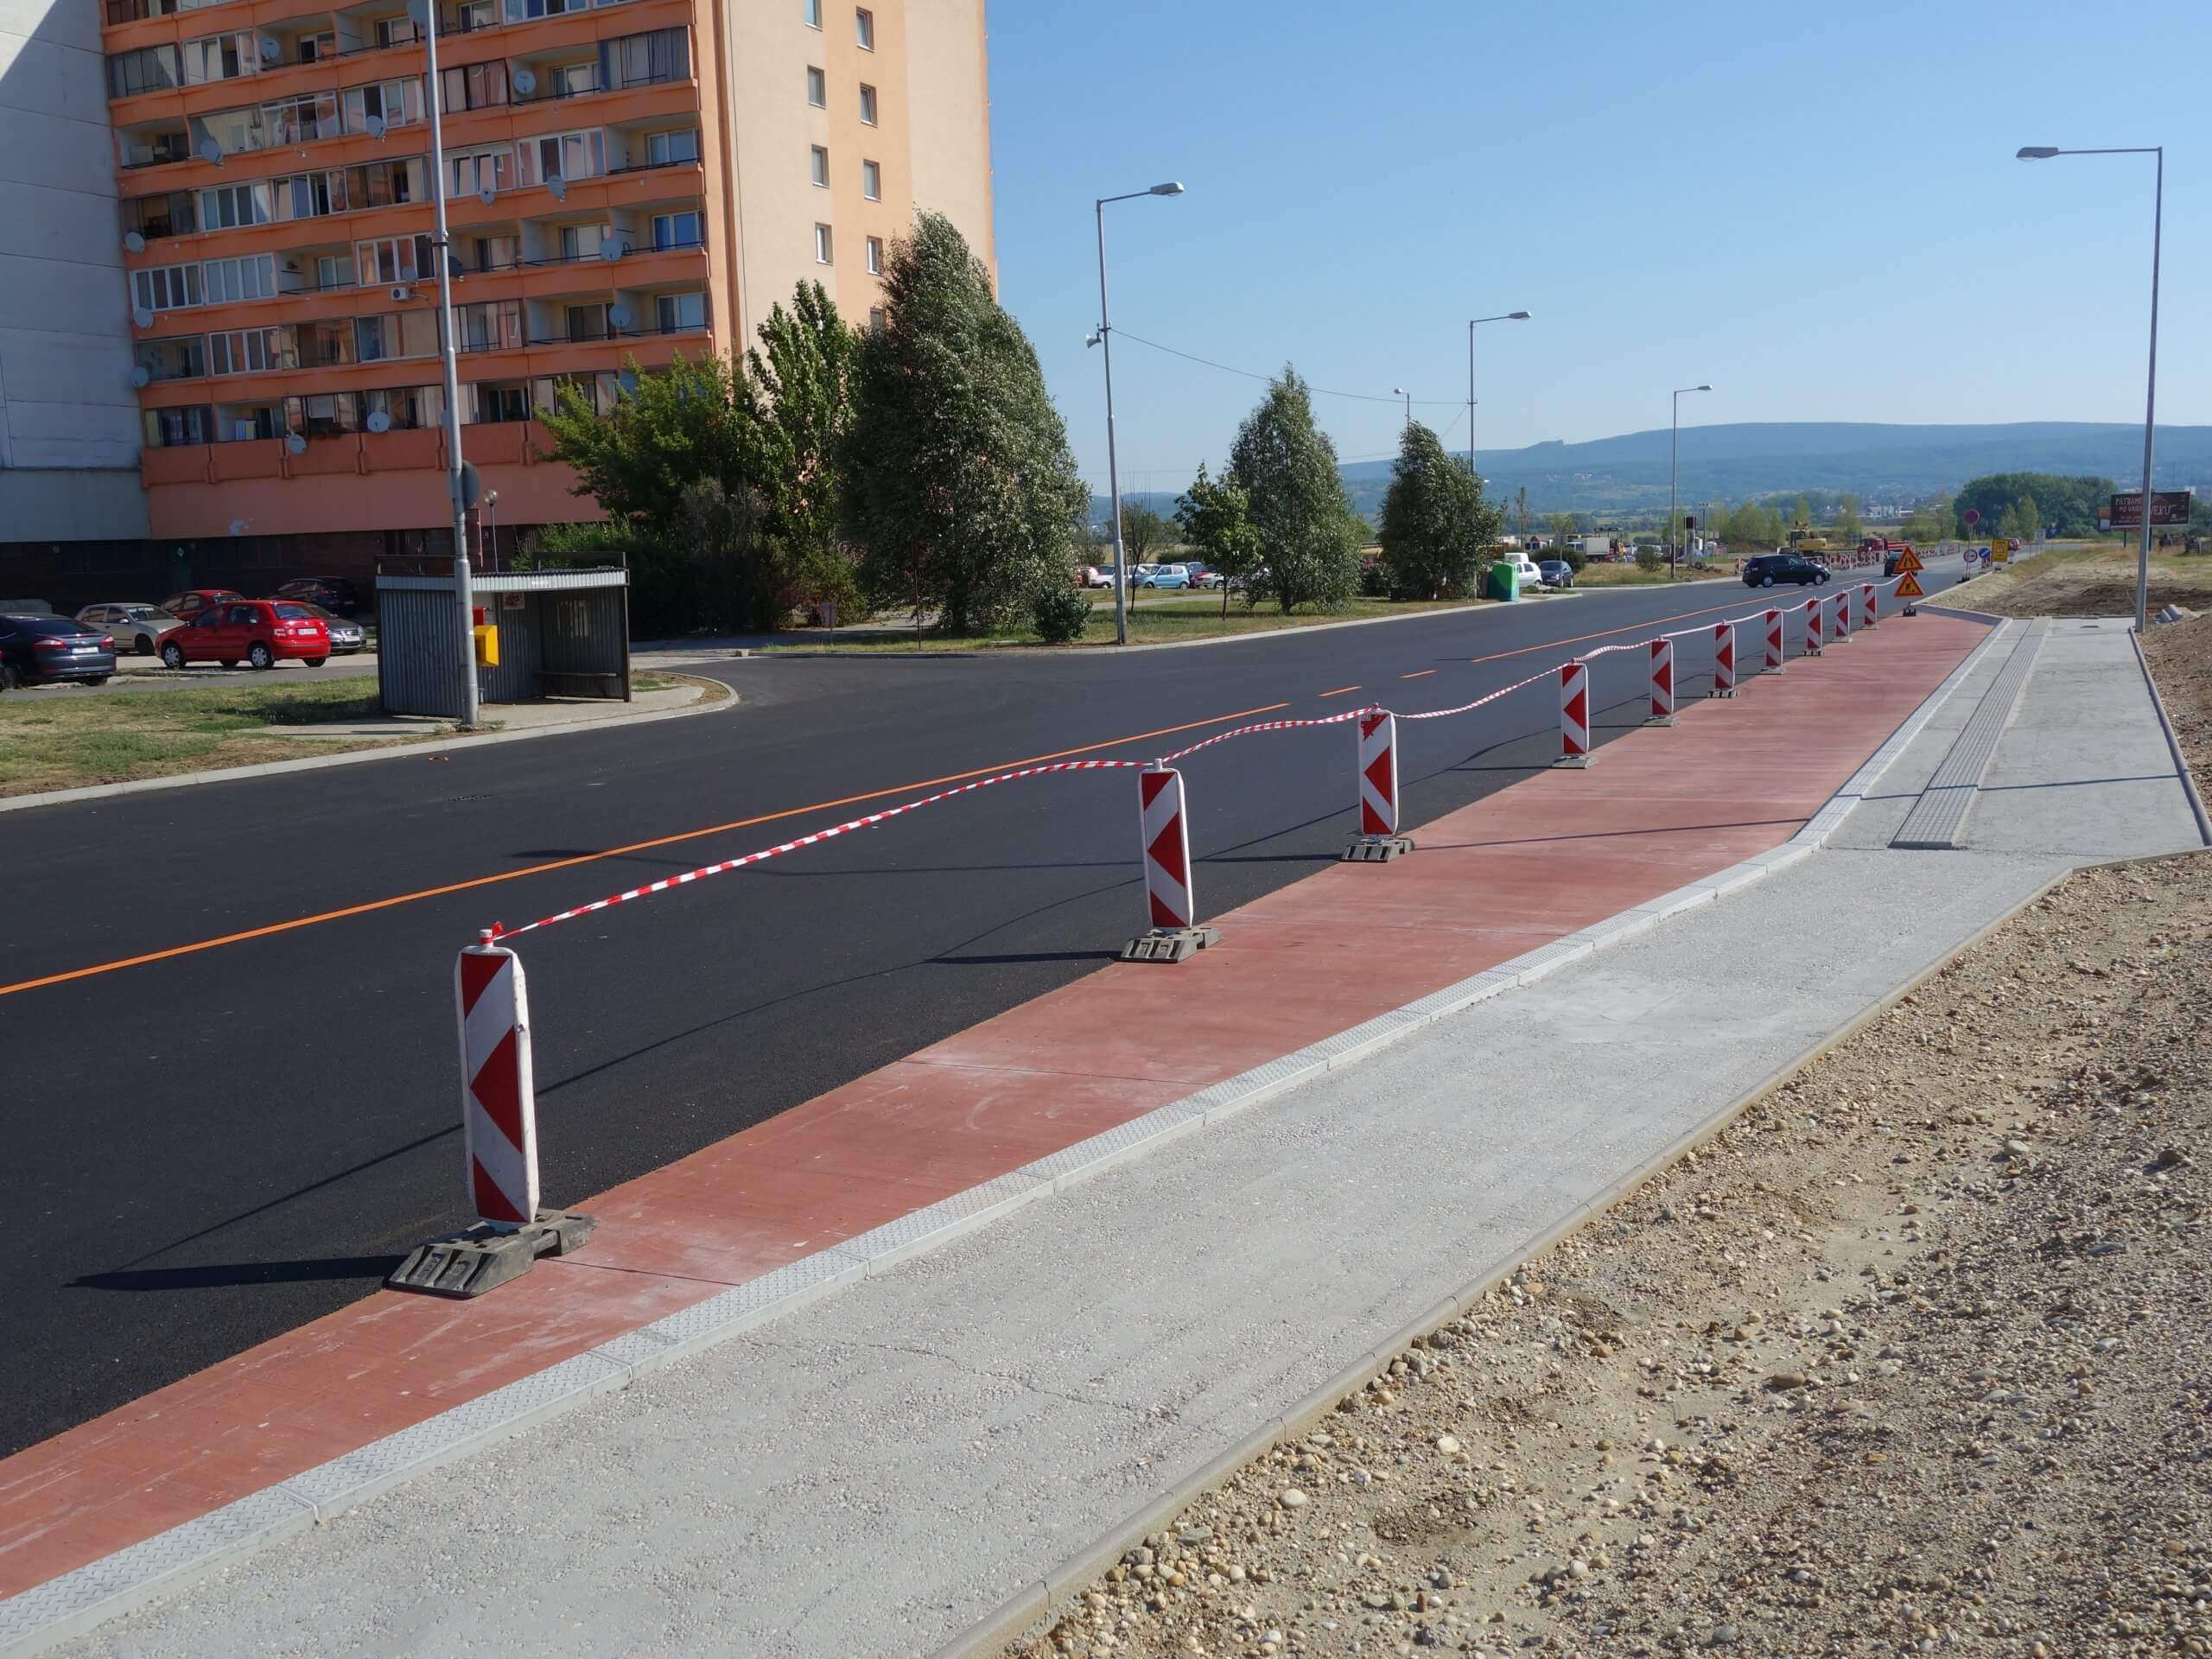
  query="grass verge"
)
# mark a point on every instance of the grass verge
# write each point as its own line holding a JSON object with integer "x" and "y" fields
{"x": 1155, "y": 619}
{"x": 67, "y": 739}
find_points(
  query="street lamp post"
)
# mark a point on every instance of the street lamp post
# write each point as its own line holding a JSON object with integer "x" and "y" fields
{"x": 426, "y": 14}
{"x": 2044, "y": 152}
{"x": 1104, "y": 339}
{"x": 1673, "y": 461}
{"x": 1505, "y": 316}
{"x": 1400, "y": 392}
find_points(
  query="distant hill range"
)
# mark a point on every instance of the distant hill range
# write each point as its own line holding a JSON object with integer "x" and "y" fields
{"x": 1886, "y": 466}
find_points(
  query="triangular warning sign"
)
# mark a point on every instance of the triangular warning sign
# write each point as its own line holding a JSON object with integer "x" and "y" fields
{"x": 1909, "y": 561}
{"x": 1908, "y": 588}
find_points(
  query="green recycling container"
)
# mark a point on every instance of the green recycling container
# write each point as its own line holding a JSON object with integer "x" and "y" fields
{"x": 1504, "y": 580}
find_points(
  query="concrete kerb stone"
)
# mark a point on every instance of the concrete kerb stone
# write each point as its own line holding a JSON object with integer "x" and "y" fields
{"x": 325, "y": 1491}
{"x": 360, "y": 757}
{"x": 2173, "y": 743}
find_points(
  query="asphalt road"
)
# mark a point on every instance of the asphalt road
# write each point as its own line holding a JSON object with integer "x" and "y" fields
{"x": 213, "y": 1146}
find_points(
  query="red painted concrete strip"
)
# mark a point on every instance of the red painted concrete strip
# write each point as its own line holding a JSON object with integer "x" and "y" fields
{"x": 1546, "y": 857}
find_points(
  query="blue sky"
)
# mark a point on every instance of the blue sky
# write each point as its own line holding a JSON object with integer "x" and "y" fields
{"x": 1818, "y": 212}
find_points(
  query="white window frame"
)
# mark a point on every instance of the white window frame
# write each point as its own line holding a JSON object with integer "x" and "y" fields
{"x": 166, "y": 288}
{"x": 665, "y": 142}
{"x": 817, "y": 86}
{"x": 864, "y": 28}
{"x": 674, "y": 222}
{"x": 812, "y": 13}
{"x": 247, "y": 277}
{"x": 872, "y": 181}
{"x": 825, "y": 245}
{"x": 469, "y": 171}
{"x": 869, "y": 108}
{"x": 244, "y": 351}
{"x": 876, "y": 256}
{"x": 696, "y": 298}
{"x": 818, "y": 166}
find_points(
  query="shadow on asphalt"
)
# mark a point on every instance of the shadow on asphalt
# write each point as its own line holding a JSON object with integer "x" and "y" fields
{"x": 221, "y": 1276}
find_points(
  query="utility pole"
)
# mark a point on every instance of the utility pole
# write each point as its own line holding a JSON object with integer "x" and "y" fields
{"x": 442, "y": 250}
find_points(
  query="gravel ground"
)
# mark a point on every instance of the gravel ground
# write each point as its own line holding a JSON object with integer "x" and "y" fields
{"x": 1914, "y": 1357}
{"x": 2180, "y": 655}
{"x": 2099, "y": 588}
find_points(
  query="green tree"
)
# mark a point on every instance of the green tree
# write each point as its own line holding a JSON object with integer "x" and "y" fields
{"x": 679, "y": 425}
{"x": 1930, "y": 522}
{"x": 1288, "y": 469}
{"x": 1521, "y": 519}
{"x": 1144, "y": 533}
{"x": 1800, "y": 516}
{"x": 1435, "y": 522}
{"x": 1848, "y": 523}
{"x": 2073, "y": 504}
{"x": 1216, "y": 518}
{"x": 958, "y": 486}
{"x": 797, "y": 395}
{"x": 1560, "y": 527}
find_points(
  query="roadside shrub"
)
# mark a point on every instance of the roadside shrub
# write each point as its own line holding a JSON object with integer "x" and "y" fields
{"x": 1375, "y": 581}
{"x": 1059, "y": 613}
{"x": 1576, "y": 559}
{"x": 1648, "y": 559}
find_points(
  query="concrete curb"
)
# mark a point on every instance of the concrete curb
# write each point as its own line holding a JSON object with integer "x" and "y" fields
{"x": 356, "y": 757}
{"x": 102, "y": 1590}
{"x": 2173, "y": 743}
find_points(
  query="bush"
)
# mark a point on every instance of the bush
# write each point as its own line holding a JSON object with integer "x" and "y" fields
{"x": 1648, "y": 559}
{"x": 1375, "y": 581}
{"x": 1577, "y": 560}
{"x": 1059, "y": 614}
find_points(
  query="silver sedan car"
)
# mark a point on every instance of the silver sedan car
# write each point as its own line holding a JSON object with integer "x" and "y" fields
{"x": 346, "y": 636}
{"x": 136, "y": 627}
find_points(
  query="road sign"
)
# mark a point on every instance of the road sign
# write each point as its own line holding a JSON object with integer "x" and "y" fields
{"x": 1909, "y": 588}
{"x": 2167, "y": 507}
{"x": 2003, "y": 550}
{"x": 1973, "y": 516}
{"x": 1908, "y": 562}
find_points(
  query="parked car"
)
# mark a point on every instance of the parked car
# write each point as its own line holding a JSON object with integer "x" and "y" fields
{"x": 1163, "y": 576}
{"x": 1556, "y": 573}
{"x": 37, "y": 646}
{"x": 332, "y": 593}
{"x": 1203, "y": 575}
{"x": 1531, "y": 576}
{"x": 262, "y": 631}
{"x": 136, "y": 627}
{"x": 346, "y": 636}
{"x": 188, "y": 604}
{"x": 1768, "y": 569}
{"x": 1091, "y": 576}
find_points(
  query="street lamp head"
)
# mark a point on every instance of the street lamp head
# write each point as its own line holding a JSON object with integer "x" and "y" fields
{"x": 1092, "y": 339}
{"x": 1517, "y": 316}
{"x": 2037, "y": 152}
{"x": 1171, "y": 189}
{"x": 1400, "y": 392}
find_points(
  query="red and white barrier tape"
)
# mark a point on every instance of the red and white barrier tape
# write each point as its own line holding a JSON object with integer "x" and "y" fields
{"x": 1264, "y": 726}
{"x": 496, "y": 933}
{"x": 1504, "y": 690}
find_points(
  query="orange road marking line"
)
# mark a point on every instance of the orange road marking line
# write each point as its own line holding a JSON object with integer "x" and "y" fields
{"x": 1338, "y": 692}
{"x": 398, "y": 898}
{"x": 1416, "y": 674}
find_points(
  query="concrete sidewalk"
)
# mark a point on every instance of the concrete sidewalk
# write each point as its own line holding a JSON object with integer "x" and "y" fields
{"x": 877, "y": 1472}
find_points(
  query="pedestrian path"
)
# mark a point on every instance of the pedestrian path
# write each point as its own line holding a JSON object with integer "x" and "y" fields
{"x": 301, "y": 1427}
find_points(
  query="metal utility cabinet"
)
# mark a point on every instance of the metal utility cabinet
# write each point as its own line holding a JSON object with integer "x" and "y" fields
{"x": 562, "y": 633}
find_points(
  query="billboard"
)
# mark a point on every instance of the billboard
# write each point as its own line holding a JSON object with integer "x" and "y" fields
{"x": 2167, "y": 507}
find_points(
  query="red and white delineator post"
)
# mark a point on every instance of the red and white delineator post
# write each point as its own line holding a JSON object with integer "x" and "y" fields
{"x": 1574, "y": 715}
{"x": 1777, "y": 658}
{"x": 1662, "y": 683}
{"x": 1724, "y": 660}
{"x": 1379, "y": 840}
{"x": 1163, "y": 833}
{"x": 1843, "y": 621}
{"x": 1870, "y": 609}
{"x": 1813, "y": 627}
{"x": 498, "y": 1123}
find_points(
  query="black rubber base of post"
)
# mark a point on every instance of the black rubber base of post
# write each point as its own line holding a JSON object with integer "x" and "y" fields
{"x": 1575, "y": 762}
{"x": 1170, "y": 943}
{"x": 1662, "y": 720}
{"x": 1377, "y": 850}
{"x": 486, "y": 1256}
{"x": 1720, "y": 691}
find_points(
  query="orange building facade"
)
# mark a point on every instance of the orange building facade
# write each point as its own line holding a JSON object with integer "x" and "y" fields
{"x": 626, "y": 181}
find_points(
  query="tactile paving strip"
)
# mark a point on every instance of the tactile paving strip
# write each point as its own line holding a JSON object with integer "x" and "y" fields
{"x": 1938, "y": 819}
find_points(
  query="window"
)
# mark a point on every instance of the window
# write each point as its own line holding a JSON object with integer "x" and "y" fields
{"x": 567, "y": 79}
{"x": 663, "y": 148}
{"x": 864, "y": 28}
{"x": 296, "y": 120}
{"x": 165, "y": 288}
{"x": 323, "y": 415}
{"x": 822, "y": 248}
{"x": 233, "y": 130}
{"x": 813, "y": 14}
{"x": 253, "y": 278}
{"x": 647, "y": 60}
{"x": 470, "y": 171}
{"x": 220, "y": 57}
{"x": 817, "y": 88}
{"x": 395, "y": 333}
{"x": 386, "y": 184}
{"x": 876, "y": 256}
{"x": 398, "y": 31}
{"x": 875, "y": 318}
{"x": 867, "y": 104}
{"x": 518, "y": 10}
{"x": 231, "y": 206}
{"x": 675, "y": 314}
{"x": 407, "y": 407}
{"x": 178, "y": 358}
{"x": 586, "y": 323}
{"x": 602, "y": 390}
{"x": 821, "y": 167}
{"x": 315, "y": 48}
{"x": 490, "y": 326}
{"x": 309, "y": 195}
{"x": 334, "y": 271}
{"x": 493, "y": 402}
{"x": 167, "y": 428}
{"x": 473, "y": 15}
{"x": 327, "y": 344}
{"x": 678, "y": 230}
{"x": 392, "y": 259}
{"x": 174, "y": 215}
{"x": 563, "y": 155}
{"x": 473, "y": 86}
{"x": 584, "y": 241}
{"x": 248, "y": 351}
{"x": 395, "y": 103}
{"x": 872, "y": 181}
{"x": 150, "y": 68}
{"x": 495, "y": 252}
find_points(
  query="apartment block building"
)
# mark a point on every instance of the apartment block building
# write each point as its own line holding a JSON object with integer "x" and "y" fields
{"x": 626, "y": 180}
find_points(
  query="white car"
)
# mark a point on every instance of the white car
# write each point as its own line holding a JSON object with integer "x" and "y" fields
{"x": 136, "y": 627}
{"x": 1525, "y": 567}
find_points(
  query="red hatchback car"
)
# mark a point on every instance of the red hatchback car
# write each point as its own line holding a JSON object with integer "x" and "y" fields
{"x": 262, "y": 631}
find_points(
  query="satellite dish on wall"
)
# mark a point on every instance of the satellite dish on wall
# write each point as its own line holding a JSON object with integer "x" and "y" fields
{"x": 622, "y": 316}
{"x": 487, "y": 196}
{"x": 612, "y": 249}
{"x": 296, "y": 443}
{"x": 525, "y": 81}
{"x": 133, "y": 243}
{"x": 271, "y": 48}
{"x": 211, "y": 152}
{"x": 373, "y": 125}
{"x": 140, "y": 374}
{"x": 142, "y": 317}
{"x": 380, "y": 420}
{"x": 627, "y": 380}
{"x": 559, "y": 187}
